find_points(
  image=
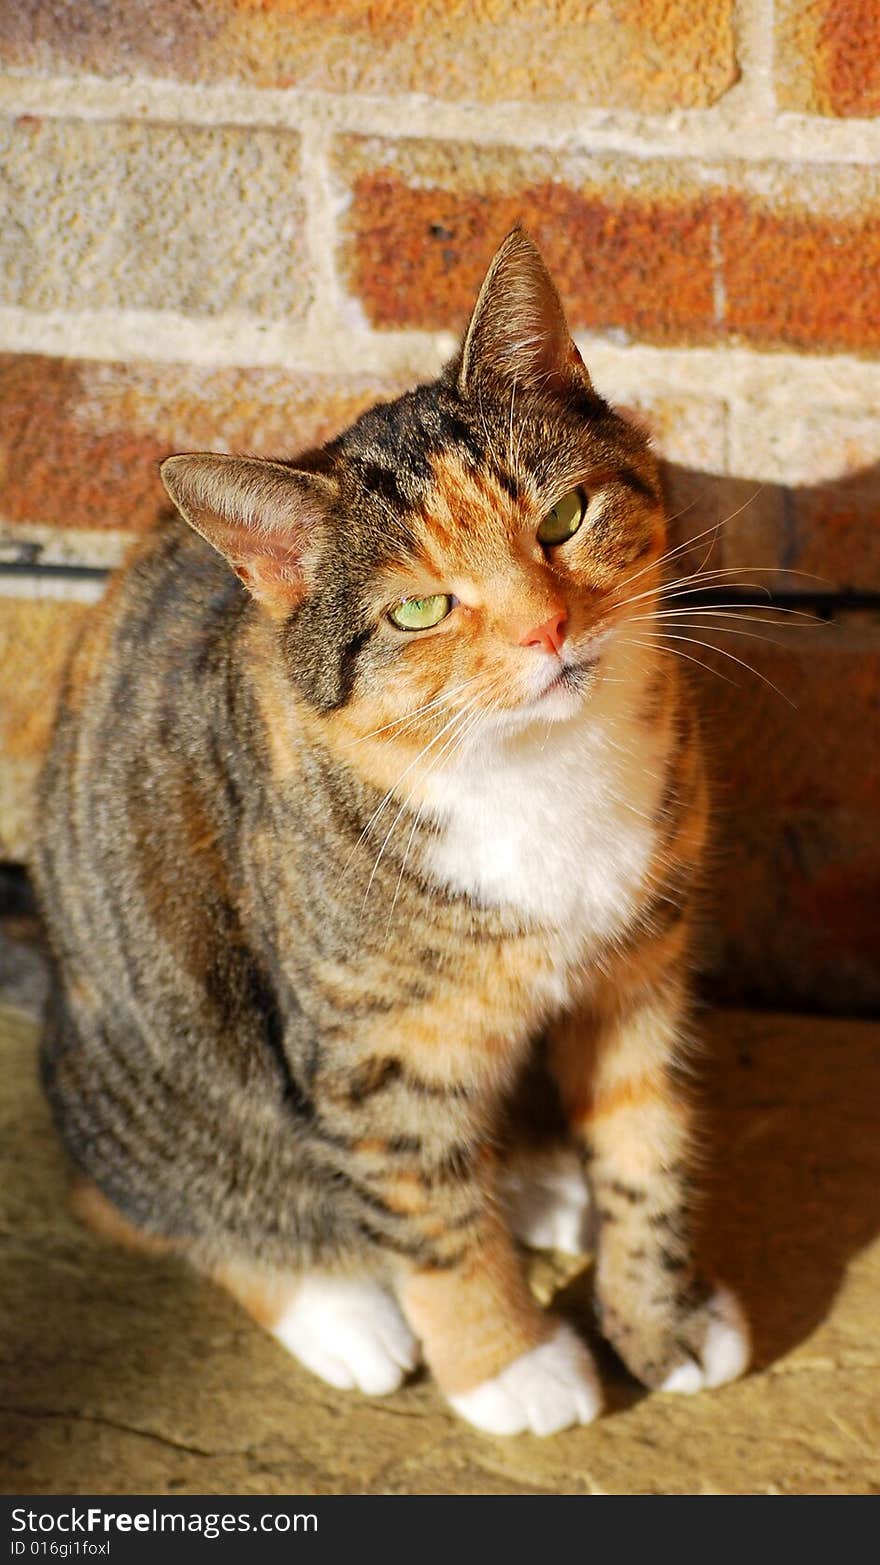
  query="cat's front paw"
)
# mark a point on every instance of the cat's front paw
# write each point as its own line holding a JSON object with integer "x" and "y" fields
{"x": 547, "y": 1201}
{"x": 350, "y": 1332}
{"x": 707, "y": 1345}
{"x": 547, "y": 1389}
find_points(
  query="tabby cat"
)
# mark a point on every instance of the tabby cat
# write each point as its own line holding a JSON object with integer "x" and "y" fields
{"x": 348, "y": 846}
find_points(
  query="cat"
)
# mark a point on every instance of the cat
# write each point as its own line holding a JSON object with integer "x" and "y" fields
{"x": 349, "y": 843}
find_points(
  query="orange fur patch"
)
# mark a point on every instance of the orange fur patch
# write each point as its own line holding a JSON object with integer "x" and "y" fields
{"x": 476, "y": 1319}
{"x": 93, "y": 1209}
{"x": 265, "y": 1295}
{"x": 603, "y": 1101}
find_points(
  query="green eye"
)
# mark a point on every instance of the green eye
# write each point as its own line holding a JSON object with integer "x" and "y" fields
{"x": 421, "y": 613}
{"x": 564, "y": 519}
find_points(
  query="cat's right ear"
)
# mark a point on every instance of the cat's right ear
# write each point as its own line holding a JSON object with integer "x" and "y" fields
{"x": 261, "y": 516}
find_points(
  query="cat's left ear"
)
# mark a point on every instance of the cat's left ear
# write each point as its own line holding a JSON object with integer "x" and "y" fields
{"x": 261, "y": 516}
{"x": 518, "y": 331}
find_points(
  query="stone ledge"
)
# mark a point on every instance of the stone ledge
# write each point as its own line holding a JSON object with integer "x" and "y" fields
{"x": 130, "y": 1376}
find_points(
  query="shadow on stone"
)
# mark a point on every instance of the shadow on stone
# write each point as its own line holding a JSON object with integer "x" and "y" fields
{"x": 793, "y": 1177}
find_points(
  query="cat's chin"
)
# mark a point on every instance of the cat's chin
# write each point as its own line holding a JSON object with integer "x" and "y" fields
{"x": 561, "y": 699}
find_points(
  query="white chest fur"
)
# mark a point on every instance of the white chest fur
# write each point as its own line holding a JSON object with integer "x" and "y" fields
{"x": 556, "y": 823}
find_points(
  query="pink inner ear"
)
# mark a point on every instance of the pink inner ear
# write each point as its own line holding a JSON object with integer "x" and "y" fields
{"x": 260, "y": 515}
{"x": 270, "y": 572}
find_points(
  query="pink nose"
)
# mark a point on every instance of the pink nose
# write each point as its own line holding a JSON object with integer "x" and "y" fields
{"x": 550, "y": 635}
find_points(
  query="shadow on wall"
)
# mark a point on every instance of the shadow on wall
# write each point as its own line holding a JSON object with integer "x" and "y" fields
{"x": 791, "y": 711}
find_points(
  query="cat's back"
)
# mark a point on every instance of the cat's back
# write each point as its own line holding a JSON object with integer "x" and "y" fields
{"x": 160, "y": 628}
{"x": 131, "y": 747}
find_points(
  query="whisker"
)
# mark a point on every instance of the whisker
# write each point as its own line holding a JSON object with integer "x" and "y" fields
{"x": 457, "y": 740}
{"x": 659, "y": 646}
{"x": 683, "y": 619}
{"x": 459, "y": 715}
{"x": 736, "y": 572}
{"x": 711, "y": 581}
{"x": 687, "y": 543}
{"x": 408, "y": 718}
{"x": 385, "y": 801}
{"x": 693, "y": 641}
{"x": 735, "y": 612}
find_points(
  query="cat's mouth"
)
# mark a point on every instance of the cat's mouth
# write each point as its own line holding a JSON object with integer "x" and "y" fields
{"x": 574, "y": 677}
{"x": 577, "y": 672}
{"x": 564, "y": 688}
{"x": 567, "y": 682}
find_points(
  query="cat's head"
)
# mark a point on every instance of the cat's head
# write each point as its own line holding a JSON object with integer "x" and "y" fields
{"x": 461, "y": 555}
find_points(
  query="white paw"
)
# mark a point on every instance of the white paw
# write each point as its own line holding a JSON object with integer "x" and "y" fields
{"x": 726, "y": 1350}
{"x": 547, "y": 1389}
{"x": 547, "y": 1202}
{"x": 349, "y": 1331}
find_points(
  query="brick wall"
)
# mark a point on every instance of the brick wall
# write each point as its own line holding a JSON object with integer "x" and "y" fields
{"x": 234, "y": 224}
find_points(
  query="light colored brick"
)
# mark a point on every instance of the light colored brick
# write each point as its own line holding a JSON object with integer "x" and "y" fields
{"x": 661, "y": 54}
{"x": 152, "y": 217}
{"x": 80, "y": 441}
{"x": 828, "y": 57}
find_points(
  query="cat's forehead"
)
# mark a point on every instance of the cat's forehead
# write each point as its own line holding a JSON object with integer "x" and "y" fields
{"x": 434, "y": 451}
{"x": 468, "y": 512}
{"x": 390, "y": 447}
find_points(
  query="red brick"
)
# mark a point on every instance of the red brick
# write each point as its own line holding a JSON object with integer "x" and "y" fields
{"x": 828, "y": 54}
{"x": 425, "y": 220}
{"x": 652, "y": 55}
{"x": 794, "y": 905}
{"x": 80, "y": 442}
{"x": 801, "y": 278}
{"x": 661, "y": 252}
{"x": 819, "y": 749}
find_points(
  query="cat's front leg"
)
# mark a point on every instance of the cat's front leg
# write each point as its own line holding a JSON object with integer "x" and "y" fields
{"x": 503, "y": 1365}
{"x": 617, "y": 1068}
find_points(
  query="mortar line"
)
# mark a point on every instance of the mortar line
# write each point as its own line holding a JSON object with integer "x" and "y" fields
{"x": 781, "y": 378}
{"x": 319, "y": 230}
{"x": 695, "y": 134}
{"x": 756, "y": 35}
{"x": 719, "y": 287}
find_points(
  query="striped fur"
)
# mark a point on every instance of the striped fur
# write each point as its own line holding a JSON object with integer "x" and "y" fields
{"x": 323, "y": 894}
